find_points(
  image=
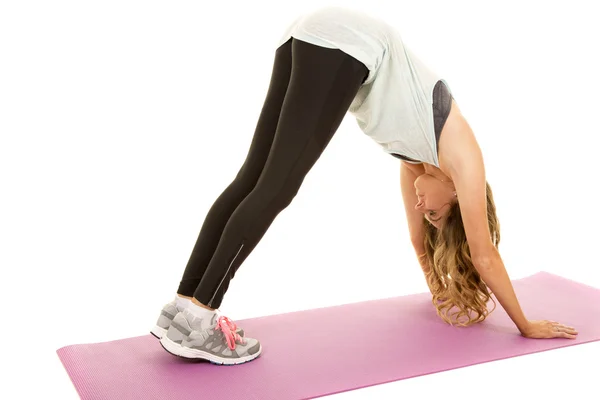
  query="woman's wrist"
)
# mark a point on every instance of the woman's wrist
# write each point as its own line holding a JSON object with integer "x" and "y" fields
{"x": 524, "y": 327}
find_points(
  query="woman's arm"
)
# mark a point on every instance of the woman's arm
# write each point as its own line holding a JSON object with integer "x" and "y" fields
{"x": 413, "y": 217}
{"x": 464, "y": 161}
{"x": 461, "y": 156}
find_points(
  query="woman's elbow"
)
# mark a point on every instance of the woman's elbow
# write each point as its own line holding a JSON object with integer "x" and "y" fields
{"x": 487, "y": 262}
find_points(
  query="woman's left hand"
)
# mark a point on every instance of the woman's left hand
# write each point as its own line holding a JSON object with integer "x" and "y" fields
{"x": 548, "y": 329}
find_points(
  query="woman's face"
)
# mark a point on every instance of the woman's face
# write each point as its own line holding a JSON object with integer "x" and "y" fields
{"x": 435, "y": 198}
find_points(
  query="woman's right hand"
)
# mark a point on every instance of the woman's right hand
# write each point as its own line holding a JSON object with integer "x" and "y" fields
{"x": 543, "y": 329}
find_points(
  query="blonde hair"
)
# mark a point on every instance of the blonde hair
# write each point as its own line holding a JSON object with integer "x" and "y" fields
{"x": 459, "y": 294}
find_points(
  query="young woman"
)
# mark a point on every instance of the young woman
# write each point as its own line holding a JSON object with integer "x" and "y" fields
{"x": 329, "y": 62}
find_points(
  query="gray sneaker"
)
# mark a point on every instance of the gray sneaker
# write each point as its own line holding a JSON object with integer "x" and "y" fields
{"x": 166, "y": 317}
{"x": 215, "y": 340}
{"x": 164, "y": 320}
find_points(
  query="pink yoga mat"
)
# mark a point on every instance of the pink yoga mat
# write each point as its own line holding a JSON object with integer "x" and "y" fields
{"x": 320, "y": 352}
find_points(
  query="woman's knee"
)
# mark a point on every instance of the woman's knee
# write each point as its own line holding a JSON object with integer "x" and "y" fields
{"x": 277, "y": 197}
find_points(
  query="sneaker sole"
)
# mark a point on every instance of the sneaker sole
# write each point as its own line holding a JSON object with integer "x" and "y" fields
{"x": 187, "y": 353}
{"x": 158, "y": 332}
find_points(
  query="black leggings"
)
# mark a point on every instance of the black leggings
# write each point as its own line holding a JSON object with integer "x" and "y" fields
{"x": 310, "y": 92}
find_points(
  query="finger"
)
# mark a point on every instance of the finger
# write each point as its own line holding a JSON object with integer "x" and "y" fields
{"x": 566, "y": 335}
{"x": 566, "y": 326}
{"x": 571, "y": 331}
{"x": 558, "y": 331}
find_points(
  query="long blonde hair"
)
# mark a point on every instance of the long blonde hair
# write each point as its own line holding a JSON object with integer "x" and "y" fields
{"x": 459, "y": 294}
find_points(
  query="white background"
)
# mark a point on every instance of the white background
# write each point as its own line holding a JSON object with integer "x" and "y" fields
{"x": 122, "y": 121}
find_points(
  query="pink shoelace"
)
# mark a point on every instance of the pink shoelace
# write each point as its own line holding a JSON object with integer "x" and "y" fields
{"x": 228, "y": 327}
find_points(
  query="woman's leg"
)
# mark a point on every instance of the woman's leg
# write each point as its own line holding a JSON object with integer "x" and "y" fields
{"x": 322, "y": 85}
{"x": 244, "y": 182}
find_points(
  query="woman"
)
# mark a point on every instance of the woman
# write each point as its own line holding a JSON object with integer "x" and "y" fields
{"x": 329, "y": 62}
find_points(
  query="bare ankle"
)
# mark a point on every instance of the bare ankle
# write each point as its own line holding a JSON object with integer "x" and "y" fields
{"x": 196, "y": 302}
{"x": 184, "y": 297}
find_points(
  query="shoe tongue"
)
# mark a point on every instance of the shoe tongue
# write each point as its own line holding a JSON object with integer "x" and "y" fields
{"x": 208, "y": 323}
